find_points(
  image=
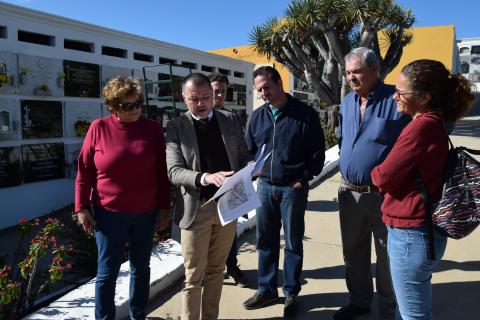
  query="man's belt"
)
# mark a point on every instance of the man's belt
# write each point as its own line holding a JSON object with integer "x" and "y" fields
{"x": 360, "y": 189}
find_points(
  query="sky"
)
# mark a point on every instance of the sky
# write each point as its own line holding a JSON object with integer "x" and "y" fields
{"x": 214, "y": 24}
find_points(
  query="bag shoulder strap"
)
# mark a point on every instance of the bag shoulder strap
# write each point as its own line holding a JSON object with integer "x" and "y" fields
{"x": 428, "y": 207}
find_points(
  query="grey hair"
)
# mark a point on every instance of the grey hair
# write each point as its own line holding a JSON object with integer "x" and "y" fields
{"x": 367, "y": 56}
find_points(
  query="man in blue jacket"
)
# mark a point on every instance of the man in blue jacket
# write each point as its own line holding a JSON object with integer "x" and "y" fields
{"x": 291, "y": 131}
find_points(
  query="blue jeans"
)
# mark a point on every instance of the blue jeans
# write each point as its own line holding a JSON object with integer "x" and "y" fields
{"x": 280, "y": 205}
{"x": 411, "y": 269}
{"x": 113, "y": 231}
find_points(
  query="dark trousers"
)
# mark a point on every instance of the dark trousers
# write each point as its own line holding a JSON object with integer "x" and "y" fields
{"x": 232, "y": 260}
{"x": 112, "y": 232}
{"x": 360, "y": 217}
{"x": 281, "y": 205}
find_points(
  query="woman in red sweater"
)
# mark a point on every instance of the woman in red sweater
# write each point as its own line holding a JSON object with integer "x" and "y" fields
{"x": 427, "y": 92}
{"x": 122, "y": 192}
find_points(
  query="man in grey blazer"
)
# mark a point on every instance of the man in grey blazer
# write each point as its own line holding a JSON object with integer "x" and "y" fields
{"x": 204, "y": 147}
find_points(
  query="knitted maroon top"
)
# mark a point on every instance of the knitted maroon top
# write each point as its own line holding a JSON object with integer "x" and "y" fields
{"x": 122, "y": 167}
{"x": 422, "y": 146}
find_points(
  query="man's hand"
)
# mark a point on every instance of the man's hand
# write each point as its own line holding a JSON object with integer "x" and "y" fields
{"x": 163, "y": 219}
{"x": 297, "y": 185}
{"x": 217, "y": 178}
{"x": 86, "y": 219}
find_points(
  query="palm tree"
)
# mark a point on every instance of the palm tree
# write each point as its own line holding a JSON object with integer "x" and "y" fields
{"x": 313, "y": 37}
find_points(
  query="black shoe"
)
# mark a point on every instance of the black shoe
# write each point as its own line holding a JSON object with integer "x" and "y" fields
{"x": 238, "y": 276}
{"x": 291, "y": 307}
{"x": 260, "y": 300}
{"x": 350, "y": 312}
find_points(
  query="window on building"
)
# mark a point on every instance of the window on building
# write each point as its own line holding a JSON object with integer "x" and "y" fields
{"x": 300, "y": 96}
{"x": 465, "y": 50}
{"x": 475, "y": 50}
{"x": 240, "y": 94}
{"x": 475, "y": 60}
{"x": 142, "y": 57}
{"x": 224, "y": 71}
{"x": 114, "y": 52}
{"x": 163, "y": 60}
{"x": 37, "y": 38}
{"x": 189, "y": 65}
{"x": 208, "y": 68}
{"x": 465, "y": 67}
{"x": 165, "y": 89}
{"x": 237, "y": 74}
{"x": 78, "y": 45}
{"x": 3, "y": 32}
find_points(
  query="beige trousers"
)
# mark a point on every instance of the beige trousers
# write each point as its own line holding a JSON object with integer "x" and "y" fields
{"x": 205, "y": 247}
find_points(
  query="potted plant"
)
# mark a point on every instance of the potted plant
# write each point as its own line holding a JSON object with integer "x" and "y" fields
{"x": 23, "y": 75}
{"x": 61, "y": 79}
{"x": 81, "y": 127}
{"x": 43, "y": 90}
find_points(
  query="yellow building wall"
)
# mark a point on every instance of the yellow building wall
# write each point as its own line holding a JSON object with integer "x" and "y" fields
{"x": 436, "y": 43}
{"x": 247, "y": 53}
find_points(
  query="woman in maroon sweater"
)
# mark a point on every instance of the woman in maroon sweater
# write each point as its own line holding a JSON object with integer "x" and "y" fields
{"x": 122, "y": 178}
{"x": 427, "y": 92}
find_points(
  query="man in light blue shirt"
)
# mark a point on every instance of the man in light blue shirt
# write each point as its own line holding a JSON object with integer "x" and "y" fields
{"x": 369, "y": 126}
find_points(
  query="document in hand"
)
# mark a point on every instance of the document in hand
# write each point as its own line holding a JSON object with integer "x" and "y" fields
{"x": 237, "y": 195}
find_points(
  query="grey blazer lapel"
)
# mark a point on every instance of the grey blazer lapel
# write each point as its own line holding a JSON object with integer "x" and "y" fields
{"x": 192, "y": 138}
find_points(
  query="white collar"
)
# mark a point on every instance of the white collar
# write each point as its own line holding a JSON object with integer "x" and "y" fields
{"x": 210, "y": 115}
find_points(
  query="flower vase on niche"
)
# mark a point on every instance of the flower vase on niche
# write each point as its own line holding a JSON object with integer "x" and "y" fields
{"x": 23, "y": 78}
{"x": 43, "y": 90}
{"x": 81, "y": 127}
{"x": 61, "y": 80}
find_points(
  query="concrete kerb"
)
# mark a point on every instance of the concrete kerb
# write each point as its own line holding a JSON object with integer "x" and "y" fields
{"x": 166, "y": 266}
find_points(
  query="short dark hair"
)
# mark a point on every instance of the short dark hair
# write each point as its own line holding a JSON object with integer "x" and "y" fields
{"x": 197, "y": 79}
{"x": 267, "y": 71}
{"x": 218, "y": 77}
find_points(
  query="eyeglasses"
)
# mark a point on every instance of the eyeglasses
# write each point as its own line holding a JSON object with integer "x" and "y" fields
{"x": 401, "y": 94}
{"x": 129, "y": 106}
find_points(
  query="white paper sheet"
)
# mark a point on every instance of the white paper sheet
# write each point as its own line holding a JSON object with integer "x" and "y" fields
{"x": 237, "y": 195}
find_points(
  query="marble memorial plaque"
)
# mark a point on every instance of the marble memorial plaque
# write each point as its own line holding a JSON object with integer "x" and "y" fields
{"x": 44, "y": 161}
{"x": 8, "y": 72}
{"x": 9, "y": 119}
{"x": 40, "y": 76}
{"x": 41, "y": 119}
{"x": 10, "y": 169}
{"x": 79, "y": 115}
{"x": 72, "y": 151}
{"x": 81, "y": 79}
{"x": 109, "y": 72}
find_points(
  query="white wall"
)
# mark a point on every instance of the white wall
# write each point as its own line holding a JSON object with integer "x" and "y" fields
{"x": 33, "y": 199}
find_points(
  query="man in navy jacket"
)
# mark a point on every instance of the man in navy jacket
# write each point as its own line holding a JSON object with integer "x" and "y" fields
{"x": 291, "y": 131}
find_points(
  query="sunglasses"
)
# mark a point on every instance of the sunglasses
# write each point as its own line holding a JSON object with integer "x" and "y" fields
{"x": 129, "y": 106}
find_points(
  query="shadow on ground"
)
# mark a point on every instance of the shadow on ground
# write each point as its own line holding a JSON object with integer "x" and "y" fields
{"x": 322, "y": 206}
{"x": 469, "y": 128}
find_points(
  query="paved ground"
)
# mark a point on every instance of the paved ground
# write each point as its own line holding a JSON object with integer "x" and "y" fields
{"x": 456, "y": 282}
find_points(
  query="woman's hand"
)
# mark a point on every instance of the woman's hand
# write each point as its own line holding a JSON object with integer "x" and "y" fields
{"x": 86, "y": 219}
{"x": 163, "y": 219}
